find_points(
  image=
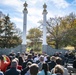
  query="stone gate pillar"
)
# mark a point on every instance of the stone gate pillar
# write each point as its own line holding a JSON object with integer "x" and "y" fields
{"x": 24, "y": 27}
{"x": 44, "y": 44}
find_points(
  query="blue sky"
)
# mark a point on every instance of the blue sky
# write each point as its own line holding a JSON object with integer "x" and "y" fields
{"x": 35, "y": 7}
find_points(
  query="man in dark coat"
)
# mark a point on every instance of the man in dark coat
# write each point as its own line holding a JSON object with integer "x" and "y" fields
{"x": 29, "y": 59}
{"x": 13, "y": 70}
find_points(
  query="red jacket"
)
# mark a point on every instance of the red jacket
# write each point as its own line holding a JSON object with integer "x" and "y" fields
{"x": 4, "y": 64}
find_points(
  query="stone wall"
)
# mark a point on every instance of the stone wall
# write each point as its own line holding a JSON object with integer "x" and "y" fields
{"x": 20, "y": 48}
{"x": 51, "y": 50}
{"x": 8, "y": 50}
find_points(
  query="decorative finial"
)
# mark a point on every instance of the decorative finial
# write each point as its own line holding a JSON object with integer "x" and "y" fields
{"x": 44, "y": 6}
{"x": 25, "y": 5}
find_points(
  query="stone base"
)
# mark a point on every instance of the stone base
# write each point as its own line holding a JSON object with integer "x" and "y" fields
{"x": 23, "y": 48}
{"x": 44, "y": 49}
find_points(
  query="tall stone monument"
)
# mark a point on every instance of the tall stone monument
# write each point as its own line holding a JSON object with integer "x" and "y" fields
{"x": 44, "y": 44}
{"x": 24, "y": 27}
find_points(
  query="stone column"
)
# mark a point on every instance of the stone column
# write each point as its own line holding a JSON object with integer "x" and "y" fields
{"x": 24, "y": 27}
{"x": 44, "y": 44}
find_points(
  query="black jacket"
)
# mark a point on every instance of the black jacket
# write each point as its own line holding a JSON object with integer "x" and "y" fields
{"x": 12, "y": 71}
{"x": 74, "y": 64}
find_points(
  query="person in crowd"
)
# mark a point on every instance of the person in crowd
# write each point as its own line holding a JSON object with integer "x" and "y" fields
{"x": 72, "y": 67}
{"x": 66, "y": 58}
{"x": 25, "y": 71}
{"x": 59, "y": 62}
{"x": 45, "y": 70}
{"x": 29, "y": 59}
{"x": 18, "y": 54}
{"x": 74, "y": 63}
{"x": 36, "y": 59}
{"x": 58, "y": 70}
{"x": 23, "y": 57}
{"x": 31, "y": 51}
{"x": 11, "y": 58}
{"x": 20, "y": 60}
{"x": 52, "y": 63}
{"x": 45, "y": 57}
{"x": 62, "y": 57}
{"x": 70, "y": 57}
{"x": 18, "y": 66}
{"x": 1, "y": 73}
{"x": 48, "y": 59}
{"x": 28, "y": 65}
{"x": 4, "y": 62}
{"x": 41, "y": 59}
{"x": 56, "y": 54}
{"x": 13, "y": 70}
{"x": 34, "y": 69}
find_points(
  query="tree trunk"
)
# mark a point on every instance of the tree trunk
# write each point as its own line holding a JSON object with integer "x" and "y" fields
{"x": 57, "y": 44}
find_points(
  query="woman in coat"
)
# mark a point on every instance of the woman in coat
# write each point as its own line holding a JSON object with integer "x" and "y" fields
{"x": 45, "y": 70}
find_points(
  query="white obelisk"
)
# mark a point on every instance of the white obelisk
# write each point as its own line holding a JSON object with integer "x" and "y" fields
{"x": 24, "y": 26}
{"x": 44, "y": 44}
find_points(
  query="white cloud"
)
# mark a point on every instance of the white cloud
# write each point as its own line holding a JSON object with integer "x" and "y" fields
{"x": 35, "y": 1}
{"x": 34, "y": 15}
{"x": 34, "y": 12}
{"x": 16, "y": 19}
{"x": 16, "y": 4}
{"x": 32, "y": 1}
{"x": 34, "y": 19}
{"x": 50, "y": 14}
{"x": 18, "y": 22}
{"x": 11, "y": 2}
{"x": 60, "y": 3}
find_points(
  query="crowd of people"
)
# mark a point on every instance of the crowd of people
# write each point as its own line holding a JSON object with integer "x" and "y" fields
{"x": 35, "y": 64}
